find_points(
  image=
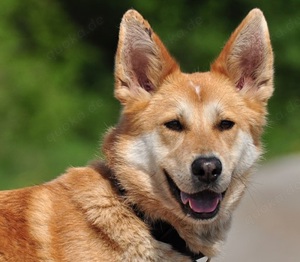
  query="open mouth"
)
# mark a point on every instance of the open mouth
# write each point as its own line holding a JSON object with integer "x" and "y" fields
{"x": 202, "y": 205}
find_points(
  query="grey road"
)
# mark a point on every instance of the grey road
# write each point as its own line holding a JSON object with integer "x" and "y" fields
{"x": 266, "y": 225}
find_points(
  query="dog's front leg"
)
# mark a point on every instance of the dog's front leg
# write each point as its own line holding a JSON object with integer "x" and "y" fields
{"x": 130, "y": 235}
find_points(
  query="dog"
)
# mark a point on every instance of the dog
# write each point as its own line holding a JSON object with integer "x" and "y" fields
{"x": 175, "y": 166}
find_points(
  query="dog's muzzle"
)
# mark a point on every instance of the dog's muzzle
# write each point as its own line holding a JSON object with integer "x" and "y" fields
{"x": 204, "y": 204}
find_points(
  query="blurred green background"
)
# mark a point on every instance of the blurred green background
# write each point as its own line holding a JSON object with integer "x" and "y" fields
{"x": 56, "y": 74}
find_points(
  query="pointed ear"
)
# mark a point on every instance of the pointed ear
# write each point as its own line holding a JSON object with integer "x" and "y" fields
{"x": 247, "y": 58}
{"x": 142, "y": 62}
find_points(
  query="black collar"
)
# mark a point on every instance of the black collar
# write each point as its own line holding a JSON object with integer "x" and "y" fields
{"x": 164, "y": 232}
{"x": 160, "y": 230}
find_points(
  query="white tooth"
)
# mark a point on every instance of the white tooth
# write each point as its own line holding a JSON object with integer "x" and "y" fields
{"x": 190, "y": 205}
{"x": 184, "y": 197}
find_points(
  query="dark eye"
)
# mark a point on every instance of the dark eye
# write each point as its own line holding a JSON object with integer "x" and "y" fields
{"x": 174, "y": 125}
{"x": 225, "y": 125}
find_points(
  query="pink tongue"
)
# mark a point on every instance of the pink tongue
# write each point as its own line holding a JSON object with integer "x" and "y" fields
{"x": 204, "y": 202}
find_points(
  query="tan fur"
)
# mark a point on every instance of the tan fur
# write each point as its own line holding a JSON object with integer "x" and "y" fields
{"x": 81, "y": 216}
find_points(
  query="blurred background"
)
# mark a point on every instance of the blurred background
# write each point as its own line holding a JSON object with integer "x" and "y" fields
{"x": 56, "y": 75}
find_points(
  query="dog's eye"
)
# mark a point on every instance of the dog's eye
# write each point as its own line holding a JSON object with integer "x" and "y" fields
{"x": 225, "y": 125}
{"x": 174, "y": 125}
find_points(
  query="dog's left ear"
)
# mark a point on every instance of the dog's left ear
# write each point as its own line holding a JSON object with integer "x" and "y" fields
{"x": 142, "y": 62}
{"x": 247, "y": 58}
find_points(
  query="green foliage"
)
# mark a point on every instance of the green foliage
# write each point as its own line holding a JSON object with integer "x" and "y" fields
{"x": 56, "y": 74}
{"x": 48, "y": 113}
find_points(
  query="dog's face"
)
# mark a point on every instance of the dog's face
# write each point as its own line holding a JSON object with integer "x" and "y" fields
{"x": 193, "y": 133}
{"x": 186, "y": 142}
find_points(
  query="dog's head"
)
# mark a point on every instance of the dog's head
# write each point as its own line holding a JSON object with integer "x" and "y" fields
{"x": 185, "y": 143}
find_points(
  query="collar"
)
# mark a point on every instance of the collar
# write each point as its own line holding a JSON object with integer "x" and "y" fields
{"x": 160, "y": 230}
{"x": 166, "y": 233}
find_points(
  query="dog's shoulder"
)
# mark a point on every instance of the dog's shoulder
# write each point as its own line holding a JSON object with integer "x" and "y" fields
{"x": 86, "y": 186}
{"x": 87, "y": 177}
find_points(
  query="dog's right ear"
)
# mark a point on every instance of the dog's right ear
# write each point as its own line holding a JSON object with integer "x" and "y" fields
{"x": 142, "y": 61}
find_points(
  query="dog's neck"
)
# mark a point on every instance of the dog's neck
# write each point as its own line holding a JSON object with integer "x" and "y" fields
{"x": 160, "y": 230}
{"x": 166, "y": 233}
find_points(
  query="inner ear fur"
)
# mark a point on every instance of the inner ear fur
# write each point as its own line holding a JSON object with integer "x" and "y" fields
{"x": 142, "y": 62}
{"x": 247, "y": 58}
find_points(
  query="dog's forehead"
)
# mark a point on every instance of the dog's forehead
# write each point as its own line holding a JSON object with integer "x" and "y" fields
{"x": 197, "y": 97}
{"x": 195, "y": 87}
{"x": 201, "y": 97}
{"x": 205, "y": 85}
{"x": 207, "y": 89}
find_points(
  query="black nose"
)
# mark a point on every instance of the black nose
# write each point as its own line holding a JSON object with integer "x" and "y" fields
{"x": 207, "y": 169}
